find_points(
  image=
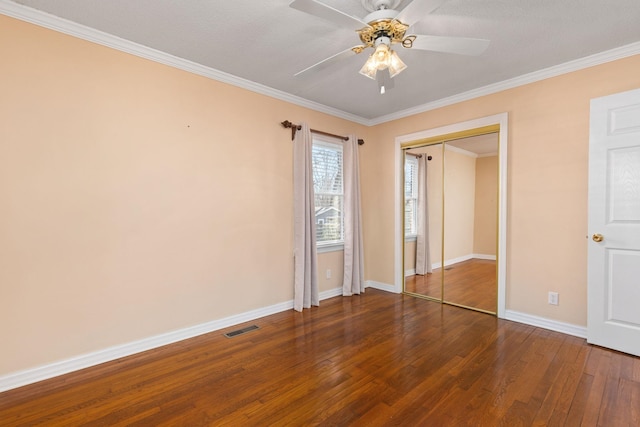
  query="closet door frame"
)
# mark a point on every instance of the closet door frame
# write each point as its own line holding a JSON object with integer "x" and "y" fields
{"x": 497, "y": 122}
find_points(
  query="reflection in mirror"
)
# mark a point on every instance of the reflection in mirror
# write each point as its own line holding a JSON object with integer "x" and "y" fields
{"x": 423, "y": 221}
{"x": 470, "y": 222}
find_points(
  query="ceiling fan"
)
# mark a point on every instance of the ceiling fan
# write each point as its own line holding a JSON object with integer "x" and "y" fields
{"x": 382, "y": 28}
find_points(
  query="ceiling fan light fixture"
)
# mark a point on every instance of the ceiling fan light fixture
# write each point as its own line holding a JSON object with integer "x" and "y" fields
{"x": 370, "y": 67}
{"x": 396, "y": 66}
{"x": 382, "y": 56}
{"x": 381, "y": 59}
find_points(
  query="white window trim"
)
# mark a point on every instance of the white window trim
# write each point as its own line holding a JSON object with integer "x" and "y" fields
{"x": 327, "y": 141}
{"x": 325, "y": 247}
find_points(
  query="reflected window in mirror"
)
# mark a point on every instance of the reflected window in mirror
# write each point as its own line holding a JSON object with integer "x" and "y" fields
{"x": 410, "y": 197}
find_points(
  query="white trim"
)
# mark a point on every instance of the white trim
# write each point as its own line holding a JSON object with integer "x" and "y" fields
{"x": 61, "y": 25}
{"x": 333, "y": 247}
{"x": 411, "y": 272}
{"x": 543, "y": 322}
{"x": 380, "y": 286}
{"x": 525, "y": 79}
{"x": 398, "y": 210}
{"x": 488, "y": 154}
{"x": 484, "y": 256}
{"x": 461, "y": 151}
{"x": 502, "y": 120}
{"x": 80, "y": 31}
{"x": 463, "y": 258}
{"x": 448, "y": 262}
{"x": 40, "y": 373}
{"x": 335, "y": 292}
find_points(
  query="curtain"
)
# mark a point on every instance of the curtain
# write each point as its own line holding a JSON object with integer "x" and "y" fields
{"x": 353, "y": 279}
{"x": 423, "y": 253}
{"x": 305, "y": 287}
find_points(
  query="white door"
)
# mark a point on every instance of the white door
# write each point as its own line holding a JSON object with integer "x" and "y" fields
{"x": 614, "y": 223}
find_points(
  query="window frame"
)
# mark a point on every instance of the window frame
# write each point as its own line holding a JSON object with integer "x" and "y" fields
{"x": 414, "y": 189}
{"x": 333, "y": 144}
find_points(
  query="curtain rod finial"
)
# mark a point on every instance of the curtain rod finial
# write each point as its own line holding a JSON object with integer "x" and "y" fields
{"x": 294, "y": 128}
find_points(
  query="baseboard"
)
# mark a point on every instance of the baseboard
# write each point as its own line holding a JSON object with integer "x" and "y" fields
{"x": 484, "y": 256}
{"x": 381, "y": 286}
{"x": 463, "y": 258}
{"x": 30, "y": 376}
{"x": 328, "y": 294}
{"x": 449, "y": 262}
{"x": 542, "y": 322}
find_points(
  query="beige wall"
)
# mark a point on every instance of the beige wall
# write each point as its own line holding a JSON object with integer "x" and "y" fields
{"x": 471, "y": 186}
{"x": 547, "y": 184}
{"x": 333, "y": 264}
{"x": 459, "y": 201}
{"x": 135, "y": 198}
{"x": 117, "y": 222}
{"x": 409, "y": 255}
{"x": 486, "y": 206}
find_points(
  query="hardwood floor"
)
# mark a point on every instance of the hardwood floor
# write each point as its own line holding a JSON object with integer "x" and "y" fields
{"x": 472, "y": 283}
{"x": 377, "y": 359}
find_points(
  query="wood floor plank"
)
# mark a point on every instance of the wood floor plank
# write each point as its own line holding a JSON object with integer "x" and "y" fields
{"x": 567, "y": 366}
{"x": 378, "y": 359}
{"x": 471, "y": 283}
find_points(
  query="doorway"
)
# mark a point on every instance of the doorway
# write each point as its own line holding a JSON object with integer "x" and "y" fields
{"x": 455, "y": 266}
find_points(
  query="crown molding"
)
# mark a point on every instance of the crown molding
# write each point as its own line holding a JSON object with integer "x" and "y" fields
{"x": 83, "y": 32}
{"x": 61, "y": 25}
{"x": 546, "y": 73}
{"x": 459, "y": 150}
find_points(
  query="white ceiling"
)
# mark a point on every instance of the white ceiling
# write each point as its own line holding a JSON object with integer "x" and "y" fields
{"x": 267, "y": 42}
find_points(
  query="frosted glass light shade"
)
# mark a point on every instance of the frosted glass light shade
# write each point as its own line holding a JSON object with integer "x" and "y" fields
{"x": 382, "y": 56}
{"x": 395, "y": 64}
{"x": 370, "y": 68}
{"x": 381, "y": 59}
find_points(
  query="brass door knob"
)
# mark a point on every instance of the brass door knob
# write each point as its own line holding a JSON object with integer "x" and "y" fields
{"x": 597, "y": 237}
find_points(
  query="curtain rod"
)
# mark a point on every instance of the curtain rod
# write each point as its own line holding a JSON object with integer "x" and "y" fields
{"x": 287, "y": 124}
{"x": 419, "y": 155}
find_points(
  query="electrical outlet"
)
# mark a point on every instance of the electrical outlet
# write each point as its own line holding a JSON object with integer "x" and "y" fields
{"x": 553, "y": 298}
{"x": 328, "y": 274}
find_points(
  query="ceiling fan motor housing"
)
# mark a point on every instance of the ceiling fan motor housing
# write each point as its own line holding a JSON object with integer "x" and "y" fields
{"x": 383, "y": 39}
{"x": 380, "y": 15}
{"x": 388, "y": 28}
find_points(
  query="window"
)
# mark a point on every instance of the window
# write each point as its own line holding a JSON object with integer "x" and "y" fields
{"x": 410, "y": 196}
{"x": 329, "y": 193}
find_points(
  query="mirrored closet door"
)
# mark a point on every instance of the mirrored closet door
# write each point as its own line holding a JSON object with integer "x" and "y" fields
{"x": 451, "y": 221}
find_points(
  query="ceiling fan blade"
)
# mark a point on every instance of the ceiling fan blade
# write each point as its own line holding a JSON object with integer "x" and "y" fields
{"x": 459, "y": 45}
{"x": 324, "y": 11}
{"x": 416, "y": 10}
{"x": 327, "y": 62}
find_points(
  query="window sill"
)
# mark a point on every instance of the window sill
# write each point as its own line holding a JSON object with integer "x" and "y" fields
{"x": 332, "y": 247}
